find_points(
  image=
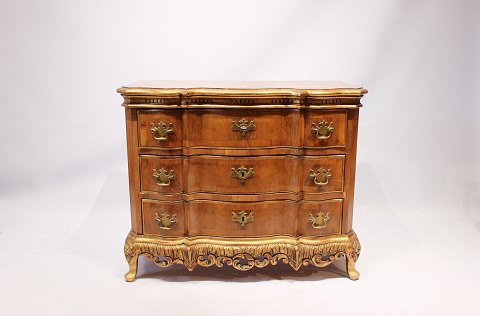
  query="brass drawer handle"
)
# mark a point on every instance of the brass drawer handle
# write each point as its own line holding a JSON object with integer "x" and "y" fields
{"x": 318, "y": 221}
{"x": 242, "y": 173}
{"x": 161, "y": 130}
{"x": 163, "y": 178}
{"x": 323, "y": 130}
{"x": 242, "y": 217}
{"x": 165, "y": 221}
{"x": 321, "y": 176}
{"x": 243, "y": 126}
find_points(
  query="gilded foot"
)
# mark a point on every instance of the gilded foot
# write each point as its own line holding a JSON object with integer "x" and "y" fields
{"x": 352, "y": 273}
{"x": 132, "y": 273}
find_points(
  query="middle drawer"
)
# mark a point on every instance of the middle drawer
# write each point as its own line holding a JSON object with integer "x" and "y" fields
{"x": 242, "y": 175}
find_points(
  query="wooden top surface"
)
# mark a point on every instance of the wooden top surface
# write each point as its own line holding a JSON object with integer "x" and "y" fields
{"x": 294, "y": 88}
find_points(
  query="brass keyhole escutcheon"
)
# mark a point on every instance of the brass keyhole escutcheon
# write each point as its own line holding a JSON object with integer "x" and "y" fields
{"x": 161, "y": 130}
{"x": 318, "y": 221}
{"x": 323, "y": 130}
{"x": 242, "y": 217}
{"x": 243, "y": 126}
{"x": 242, "y": 173}
{"x": 164, "y": 220}
{"x": 320, "y": 177}
{"x": 162, "y": 177}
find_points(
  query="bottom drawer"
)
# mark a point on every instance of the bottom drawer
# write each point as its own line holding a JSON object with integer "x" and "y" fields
{"x": 233, "y": 219}
{"x": 163, "y": 218}
{"x": 242, "y": 219}
{"x": 320, "y": 218}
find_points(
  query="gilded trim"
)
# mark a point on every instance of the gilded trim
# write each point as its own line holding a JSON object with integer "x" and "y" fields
{"x": 242, "y": 253}
{"x": 254, "y": 92}
{"x": 241, "y": 98}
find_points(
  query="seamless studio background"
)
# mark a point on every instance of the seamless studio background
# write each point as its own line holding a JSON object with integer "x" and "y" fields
{"x": 64, "y": 209}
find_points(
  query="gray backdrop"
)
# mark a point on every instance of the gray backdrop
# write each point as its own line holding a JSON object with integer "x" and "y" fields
{"x": 63, "y": 171}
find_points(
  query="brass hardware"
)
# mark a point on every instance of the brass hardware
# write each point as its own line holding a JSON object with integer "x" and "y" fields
{"x": 243, "y": 126}
{"x": 164, "y": 220}
{"x": 242, "y": 173}
{"x": 318, "y": 221}
{"x": 161, "y": 130}
{"x": 323, "y": 130}
{"x": 242, "y": 217}
{"x": 321, "y": 177}
{"x": 163, "y": 178}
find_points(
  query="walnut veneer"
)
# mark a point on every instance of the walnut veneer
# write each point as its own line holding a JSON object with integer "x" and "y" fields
{"x": 241, "y": 173}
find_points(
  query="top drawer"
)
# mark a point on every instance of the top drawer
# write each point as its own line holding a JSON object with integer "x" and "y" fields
{"x": 160, "y": 128}
{"x": 240, "y": 129}
{"x": 325, "y": 128}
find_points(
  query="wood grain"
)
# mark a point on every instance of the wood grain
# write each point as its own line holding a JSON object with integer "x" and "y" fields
{"x": 339, "y": 122}
{"x": 151, "y": 227}
{"x": 214, "y": 218}
{"x": 333, "y": 163}
{"x": 334, "y": 224}
{"x": 133, "y": 170}
{"x": 148, "y": 117}
{"x": 214, "y": 174}
{"x": 213, "y": 128}
{"x": 148, "y": 182}
{"x": 350, "y": 166}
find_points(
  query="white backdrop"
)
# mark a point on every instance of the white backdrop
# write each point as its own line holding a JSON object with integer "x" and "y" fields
{"x": 63, "y": 171}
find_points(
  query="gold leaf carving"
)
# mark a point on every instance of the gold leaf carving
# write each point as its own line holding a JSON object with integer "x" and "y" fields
{"x": 244, "y": 255}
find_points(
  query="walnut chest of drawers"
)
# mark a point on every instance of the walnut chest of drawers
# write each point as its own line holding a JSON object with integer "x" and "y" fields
{"x": 245, "y": 174}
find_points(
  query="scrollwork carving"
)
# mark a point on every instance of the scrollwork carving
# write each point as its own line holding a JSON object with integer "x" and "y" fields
{"x": 288, "y": 250}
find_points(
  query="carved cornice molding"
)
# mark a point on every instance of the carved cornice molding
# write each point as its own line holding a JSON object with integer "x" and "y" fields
{"x": 240, "y": 98}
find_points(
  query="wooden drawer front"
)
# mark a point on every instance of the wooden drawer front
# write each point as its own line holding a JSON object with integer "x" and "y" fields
{"x": 168, "y": 174}
{"x": 215, "y": 218}
{"x": 323, "y": 174}
{"x": 222, "y": 128}
{"x": 325, "y": 128}
{"x": 163, "y": 218}
{"x": 270, "y": 174}
{"x": 320, "y": 218}
{"x": 168, "y": 124}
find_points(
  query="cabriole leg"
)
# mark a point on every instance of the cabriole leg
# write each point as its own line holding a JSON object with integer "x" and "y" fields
{"x": 352, "y": 273}
{"x": 132, "y": 273}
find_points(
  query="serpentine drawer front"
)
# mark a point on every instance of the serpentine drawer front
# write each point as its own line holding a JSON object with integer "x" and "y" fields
{"x": 236, "y": 219}
{"x": 241, "y": 173}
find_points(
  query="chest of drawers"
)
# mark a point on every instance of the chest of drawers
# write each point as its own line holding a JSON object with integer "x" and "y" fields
{"x": 245, "y": 174}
